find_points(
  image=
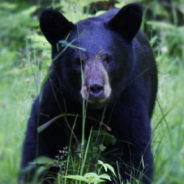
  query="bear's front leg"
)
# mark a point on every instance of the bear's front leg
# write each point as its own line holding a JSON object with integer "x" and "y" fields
{"x": 29, "y": 145}
{"x": 37, "y": 144}
{"x": 133, "y": 131}
{"x": 33, "y": 146}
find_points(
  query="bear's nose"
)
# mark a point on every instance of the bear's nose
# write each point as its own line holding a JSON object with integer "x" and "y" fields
{"x": 95, "y": 90}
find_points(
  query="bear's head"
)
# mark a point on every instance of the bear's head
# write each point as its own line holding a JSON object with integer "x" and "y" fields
{"x": 94, "y": 58}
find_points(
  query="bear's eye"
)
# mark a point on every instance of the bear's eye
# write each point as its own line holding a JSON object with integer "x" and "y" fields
{"x": 106, "y": 58}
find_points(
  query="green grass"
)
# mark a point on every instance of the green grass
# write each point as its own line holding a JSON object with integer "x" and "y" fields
{"x": 19, "y": 85}
{"x": 168, "y": 121}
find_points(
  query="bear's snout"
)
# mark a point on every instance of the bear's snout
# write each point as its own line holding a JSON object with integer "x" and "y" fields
{"x": 96, "y": 88}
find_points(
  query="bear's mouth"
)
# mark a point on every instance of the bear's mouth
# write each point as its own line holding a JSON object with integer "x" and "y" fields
{"x": 97, "y": 103}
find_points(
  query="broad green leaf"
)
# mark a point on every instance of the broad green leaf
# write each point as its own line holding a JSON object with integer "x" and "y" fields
{"x": 44, "y": 161}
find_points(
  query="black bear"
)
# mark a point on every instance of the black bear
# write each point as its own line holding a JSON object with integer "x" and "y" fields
{"x": 107, "y": 62}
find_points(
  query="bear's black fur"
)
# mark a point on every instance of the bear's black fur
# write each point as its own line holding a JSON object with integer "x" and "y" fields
{"x": 120, "y": 75}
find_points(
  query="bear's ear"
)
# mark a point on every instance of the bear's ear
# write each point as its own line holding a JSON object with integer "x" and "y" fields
{"x": 127, "y": 21}
{"x": 54, "y": 25}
